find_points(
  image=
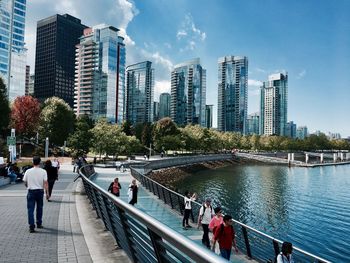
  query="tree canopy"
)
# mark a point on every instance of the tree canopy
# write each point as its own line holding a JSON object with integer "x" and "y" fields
{"x": 25, "y": 114}
{"x": 56, "y": 120}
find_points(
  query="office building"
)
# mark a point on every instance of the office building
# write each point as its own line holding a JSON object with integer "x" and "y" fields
{"x": 291, "y": 130}
{"x": 31, "y": 85}
{"x": 13, "y": 54}
{"x": 253, "y": 123}
{"x": 302, "y": 132}
{"x": 27, "y": 80}
{"x": 273, "y": 105}
{"x": 56, "y": 39}
{"x": 140, "y": 89}
{"x": 100, "y": 74}
{"x": 233, "y": 93}
{"x": 188, "y": 93}
{"x": 209, "y": 116}
{"x": 164, "y": 105}
{"x": 155, "y": 111}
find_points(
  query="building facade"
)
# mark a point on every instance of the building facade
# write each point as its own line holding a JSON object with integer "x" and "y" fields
{"x": 13, "y": 54}
{"x": 209, "y": 116}
{"x": 274, "y": 105}
{"x": 56, "y": 39}
{"x": 302, "y": 132}
{"x": 291, "y": 130}
{"x": 253, "y": 122}
{"x": 232, "y": 93}
{"x": 140, "y": 89}
{"x": 188, "y": 93}
{"x": 164, "y": 105}
{"x": 100, "y": 74}
{"x": 155, "y": 111}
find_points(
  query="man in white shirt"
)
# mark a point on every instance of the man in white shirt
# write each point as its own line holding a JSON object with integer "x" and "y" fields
{"x": 35, "y": 179}
{"x": 205, "y": 215}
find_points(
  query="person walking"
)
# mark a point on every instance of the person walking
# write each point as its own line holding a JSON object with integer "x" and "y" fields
{"x": 188, "y": 209}
{"x": 204, "y": 218}
{"x": 225, "y": 235}
{"x": 52, "y": 176}
{"x": 216, "y": 221}
{"x": 286, "y": 255}
{"x": 35, "y": 179}
{"x": 115, "y": 187}
{"x": 132, "y": 193}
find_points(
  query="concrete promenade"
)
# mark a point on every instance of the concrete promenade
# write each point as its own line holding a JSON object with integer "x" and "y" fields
{"x": 71, "y": 231}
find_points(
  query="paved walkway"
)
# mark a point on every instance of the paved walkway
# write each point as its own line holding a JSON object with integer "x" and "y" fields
{"x": 62, "y": 238}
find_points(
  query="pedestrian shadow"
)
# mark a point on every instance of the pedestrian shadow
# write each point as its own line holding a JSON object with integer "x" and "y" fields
{"x": 55, "y": 232}
{"x": 62, "y": 202}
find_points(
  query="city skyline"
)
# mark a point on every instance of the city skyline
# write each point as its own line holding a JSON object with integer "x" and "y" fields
{"x": 273, "y": 35}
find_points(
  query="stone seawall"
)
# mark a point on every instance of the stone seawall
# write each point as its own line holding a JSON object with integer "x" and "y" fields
{"x": 170, "y": 176}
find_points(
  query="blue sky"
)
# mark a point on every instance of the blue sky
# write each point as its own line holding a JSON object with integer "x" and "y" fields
{"x": 308, "y": 39}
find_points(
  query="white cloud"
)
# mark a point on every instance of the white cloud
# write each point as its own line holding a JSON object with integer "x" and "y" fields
{"x": 161, "y": 87}
{"x": 261, "y": 70}
{"x": 254, "y": 87}
{"x": 180, "y": 34}
{"x": 190, "y": 34}
{"x": 255, "y": 83}
{"x": 301, "y": 74}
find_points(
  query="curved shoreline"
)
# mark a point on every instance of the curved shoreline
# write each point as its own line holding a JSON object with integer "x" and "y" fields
{"x": 170, "y": 176}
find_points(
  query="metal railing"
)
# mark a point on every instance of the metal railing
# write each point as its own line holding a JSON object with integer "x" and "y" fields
{"x": 143, "y": 238}
{"x": 253, "y": 243}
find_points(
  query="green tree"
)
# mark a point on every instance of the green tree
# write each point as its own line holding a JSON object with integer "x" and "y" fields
{"x": 56, "y": 120}
{"x": 80, "y": 140}
{"x": 164, "y": 127}
{"x": 4, "y": 107}
{"x": 127, "y": 128}
{"x": 146, "y": 138}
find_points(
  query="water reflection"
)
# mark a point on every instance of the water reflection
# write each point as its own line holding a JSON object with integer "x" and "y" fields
{"x": 308, "y": 206}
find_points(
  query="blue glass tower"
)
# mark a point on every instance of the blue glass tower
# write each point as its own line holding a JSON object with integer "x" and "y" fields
{"x": 13, "y": 55}
{"x": 188, "y": 93}
{"x": 140, "y": 86}
{"x": 232, "y": 94}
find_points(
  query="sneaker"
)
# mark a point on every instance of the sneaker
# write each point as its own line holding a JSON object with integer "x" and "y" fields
{"x": 39, "y": 226}
{"x": 188, "y": 226}
{"x": 184, "y": 228}
{"x": 31, "y": 230}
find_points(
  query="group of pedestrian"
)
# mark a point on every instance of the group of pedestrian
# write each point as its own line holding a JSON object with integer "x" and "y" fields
{"x": 223, "y": 234}
{"x": 115, "y": 187}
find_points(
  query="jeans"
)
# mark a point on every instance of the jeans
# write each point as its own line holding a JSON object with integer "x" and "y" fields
{"x": 205, "y": 238}
{"x": 35, "y": 197}
{"x": 225, "y": 253}
{"x": 187, "y": 213}
{"x": 13, "y": 177}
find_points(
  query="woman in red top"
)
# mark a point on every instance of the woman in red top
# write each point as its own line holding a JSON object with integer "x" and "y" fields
{"x": 225, "y": 234}
{"x": 115, "y": 187}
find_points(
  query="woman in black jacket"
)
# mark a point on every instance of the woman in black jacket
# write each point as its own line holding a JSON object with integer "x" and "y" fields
{"x": 52, "y": 176}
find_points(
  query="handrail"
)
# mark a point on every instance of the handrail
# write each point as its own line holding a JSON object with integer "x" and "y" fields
{"x": 146, "y": 181}
{"x": 142, "y": 237}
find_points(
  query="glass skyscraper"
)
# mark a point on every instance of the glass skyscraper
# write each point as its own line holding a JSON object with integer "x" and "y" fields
{"x": 188, "y": 93}
{"x": 164, "y": 105}
{"x": 209, "y": 116}
{"x": 232, "y": 93}
{"x": 56, "y": 39}
{"x": 140, "y": 88}
{"x": 13, "y": 55}
{"x": 253, "y": 123}
{"x": 273, "y": 105}
{"x": 100, "y": 74}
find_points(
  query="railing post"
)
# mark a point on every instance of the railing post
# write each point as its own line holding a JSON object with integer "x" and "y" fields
{"x": 107, "y": 220}
{"x": 276, "y": 248}
{"x": 126, "y": 234}
{"x": 158, "y": 250}
{"x": 171, "y": 201}
{"x": 164, "y": 195}
{"x": 180, "y": 208}
{"x": 246, "y": 241}
{"x": 94, "y": 197}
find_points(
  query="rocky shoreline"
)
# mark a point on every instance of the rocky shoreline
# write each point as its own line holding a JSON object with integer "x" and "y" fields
{"x": 170, "y": 176}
